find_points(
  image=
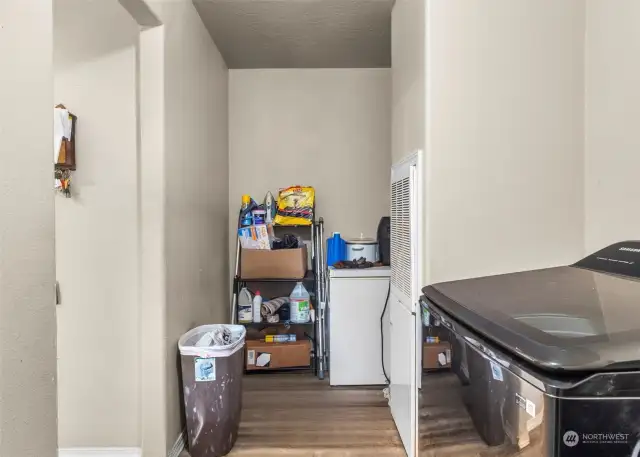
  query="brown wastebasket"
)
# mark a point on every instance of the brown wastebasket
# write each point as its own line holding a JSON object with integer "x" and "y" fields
{"x": 212, "y": 384}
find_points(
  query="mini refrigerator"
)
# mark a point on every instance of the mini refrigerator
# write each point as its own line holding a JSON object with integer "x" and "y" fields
{"x": 357, "y": 299}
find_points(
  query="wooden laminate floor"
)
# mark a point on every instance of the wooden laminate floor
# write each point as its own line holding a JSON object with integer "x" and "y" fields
{"x": 296, "y": 415}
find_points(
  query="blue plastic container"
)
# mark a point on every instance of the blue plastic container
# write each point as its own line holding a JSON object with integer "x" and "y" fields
{"x": 336, "y": 248}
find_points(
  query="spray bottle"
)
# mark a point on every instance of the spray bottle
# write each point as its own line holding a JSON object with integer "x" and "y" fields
{"x": 257, "y": 305}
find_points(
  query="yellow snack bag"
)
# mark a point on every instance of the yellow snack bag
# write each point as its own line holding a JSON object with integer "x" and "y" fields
{"x": 295, "y": 206}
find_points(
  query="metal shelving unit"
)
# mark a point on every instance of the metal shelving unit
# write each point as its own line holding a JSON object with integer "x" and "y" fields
{"x": 315, "y": 285}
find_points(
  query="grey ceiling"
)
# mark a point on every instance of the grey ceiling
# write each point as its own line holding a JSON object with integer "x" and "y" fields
{"x": 300, "y": 33}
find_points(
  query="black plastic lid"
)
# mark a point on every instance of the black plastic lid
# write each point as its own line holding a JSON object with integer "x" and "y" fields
{"x": 583, "y": 317}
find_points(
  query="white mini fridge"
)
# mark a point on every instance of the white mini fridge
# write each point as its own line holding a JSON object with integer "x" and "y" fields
{"x": 356, "y": 301}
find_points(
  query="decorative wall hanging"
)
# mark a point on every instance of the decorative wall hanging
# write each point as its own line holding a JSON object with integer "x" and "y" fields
{"x": 64, "y": 148}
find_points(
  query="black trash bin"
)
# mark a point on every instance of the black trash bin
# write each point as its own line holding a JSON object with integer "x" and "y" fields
{"x": 212, "y": 383}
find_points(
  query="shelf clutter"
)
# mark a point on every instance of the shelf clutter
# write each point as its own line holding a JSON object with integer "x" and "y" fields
{"x": 278, "y": 291}
{"x": 436, "y": 344}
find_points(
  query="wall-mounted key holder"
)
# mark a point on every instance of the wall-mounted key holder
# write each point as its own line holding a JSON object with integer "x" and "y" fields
{"x": 63, "y": 182}
{"x": 64, "y": 148}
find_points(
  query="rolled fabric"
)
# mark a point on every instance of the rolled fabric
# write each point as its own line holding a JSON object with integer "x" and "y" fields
{"x": 271, "y": 307}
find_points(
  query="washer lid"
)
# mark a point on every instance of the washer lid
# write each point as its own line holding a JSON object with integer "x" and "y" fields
{"x": 565, "y": 318}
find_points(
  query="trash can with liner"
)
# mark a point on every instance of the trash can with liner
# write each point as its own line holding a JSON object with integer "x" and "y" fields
{"x": 212, "y": 368}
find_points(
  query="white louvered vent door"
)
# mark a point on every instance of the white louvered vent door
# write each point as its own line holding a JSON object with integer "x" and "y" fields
{"x": 405, "y": 272}
{"x": 401, "y": 276}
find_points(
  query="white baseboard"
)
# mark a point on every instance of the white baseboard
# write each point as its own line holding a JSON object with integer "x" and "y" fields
{"x": 100, "y": 452}
{"x": 178, "y": 447}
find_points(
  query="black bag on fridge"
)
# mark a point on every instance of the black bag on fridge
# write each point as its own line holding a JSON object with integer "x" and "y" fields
{"x": 384, "y": 240}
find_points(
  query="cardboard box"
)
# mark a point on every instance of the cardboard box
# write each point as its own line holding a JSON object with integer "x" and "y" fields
{"x": 278, "y": 264}
{"x": 268, "y": 356}
{"x": 436, "y": 356}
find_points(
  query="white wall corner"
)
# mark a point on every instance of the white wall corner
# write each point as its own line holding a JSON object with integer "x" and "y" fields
{"x": 100, "y": 452}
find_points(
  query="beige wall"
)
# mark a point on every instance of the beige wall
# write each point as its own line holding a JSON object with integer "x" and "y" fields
{"x": 179, "y": 194}
{"x": 153, "y": 354}
{"x": 612, "y": 113}
{"x": 408, "y": 54}
{"x": 327, "y": 128}
{"x": 27, "y": 309}
{"x": 505, "y": 135}
{"x": 97, "y": 229}
{"x": 195, "y": 187}
{"x": 409, "y": 85}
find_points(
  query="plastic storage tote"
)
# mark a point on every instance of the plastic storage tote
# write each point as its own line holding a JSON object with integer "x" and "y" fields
{"x": 212, "y": 383}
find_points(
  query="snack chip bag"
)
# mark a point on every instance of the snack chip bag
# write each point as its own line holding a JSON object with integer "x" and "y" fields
{"x": 295, "y": 206}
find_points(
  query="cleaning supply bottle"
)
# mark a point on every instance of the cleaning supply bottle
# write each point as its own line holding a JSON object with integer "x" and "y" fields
{"x": 245, "y": 306}
{"x": 257, "y": 305}
{"x": 246, "y": 201}
{"x": 245, "y": 214}
{"x": 335, "y": 249}
{"x": 299, "y": 305}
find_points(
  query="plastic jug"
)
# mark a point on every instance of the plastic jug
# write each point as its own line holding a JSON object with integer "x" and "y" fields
{"x": 335, "y": 249}
{"x": 299, "y": 305}
{"x": 245, "y": 306}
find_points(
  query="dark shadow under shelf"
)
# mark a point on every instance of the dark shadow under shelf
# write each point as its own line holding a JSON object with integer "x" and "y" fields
{"x": 309, "y": 276}
{"x": 269, "y": 324}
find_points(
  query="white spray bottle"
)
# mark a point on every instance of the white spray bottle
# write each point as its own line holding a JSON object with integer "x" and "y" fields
{"x": 257, "y": 305}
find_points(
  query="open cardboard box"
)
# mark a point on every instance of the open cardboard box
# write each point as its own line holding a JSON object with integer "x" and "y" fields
{"x": 277, "y": 264}
{"x": 436, "y": 356}
{"x": 267, "y": 356}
